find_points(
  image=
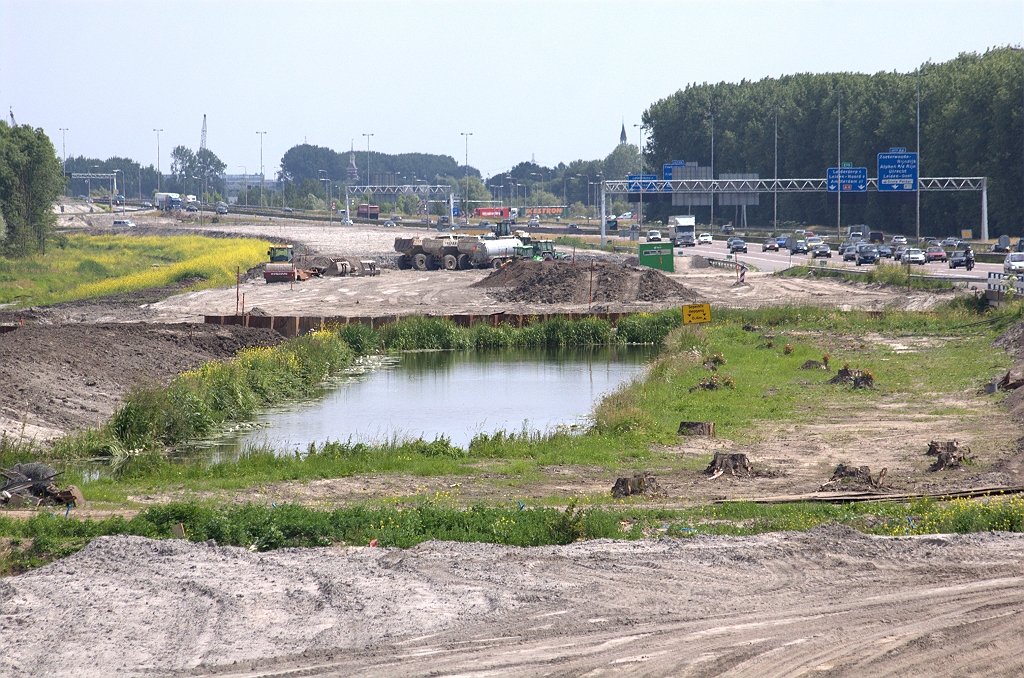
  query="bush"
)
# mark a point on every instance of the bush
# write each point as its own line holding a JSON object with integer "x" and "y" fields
{"x": 647, "y": 328}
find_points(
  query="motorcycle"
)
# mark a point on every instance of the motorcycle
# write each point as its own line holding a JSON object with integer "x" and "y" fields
{"x": 969, "y": 263}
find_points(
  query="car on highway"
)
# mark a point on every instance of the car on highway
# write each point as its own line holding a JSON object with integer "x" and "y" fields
{"x": 654, "y": 235}
{"x": 123, "y": 223}
{"x": 897, "y": 254}
{"x": 626, "y": 215}
{"x": 288, "y": 210}
{"x": 727, "y": 229}
{"x": 1014, "y": 263}
{"x": 814, "y": 240}
{"x": 899, "y": 240}
{"x": 389, "y": 224}
{"x": 799, "y": 247}
{"x": 147, "y": 205}
{"x": 866, "y": 254}
{"x": 396, "y": 217}
{"x": 876, "y": 237}
{"x": 573, "y": 227}
{"x": 935, "y": 253}
{"x": 770, "y": 244}
{"x": 728, "y": 243}
{"x": 222, "y": 209}
{"x": 884, "y": 252}
{"x": 850, "y": 253}
{"x": 191, "y": 208}
{"x": 915, "y": 256}
{"x": 737, "y": 246}
{"x": 949, "y": 242}
{"x": 705, "y": 239}
{"x": 781, "y": 240}
{"x": 821, "y": 250}
{"x": 958, "y": 258}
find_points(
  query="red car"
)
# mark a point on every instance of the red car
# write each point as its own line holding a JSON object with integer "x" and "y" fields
{"x": 935, "y": 254}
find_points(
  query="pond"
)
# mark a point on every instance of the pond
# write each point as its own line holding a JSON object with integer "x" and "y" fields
{"x": 452, "y": 393}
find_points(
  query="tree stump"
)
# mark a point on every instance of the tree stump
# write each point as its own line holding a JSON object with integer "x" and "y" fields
{"x": 814, "y": 365}
{"x": 697, "y": 428}
{"x": 859, "y": 378}
{"x": 644, "y": 485}
{"x": 852, "y": 478}
{"x": 936, "y": 448}
{"x": 951, "y": 458}
{"x": 735, "y": 464}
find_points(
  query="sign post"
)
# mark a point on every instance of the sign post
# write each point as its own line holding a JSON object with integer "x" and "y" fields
{"x": 659, "y": 255}
{"x": 696, "y": 313}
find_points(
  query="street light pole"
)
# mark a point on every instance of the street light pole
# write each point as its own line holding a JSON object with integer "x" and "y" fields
{"x": 64, "y": 152}
{"x": 465, "y": 202}
{"x": 775, "y": 188}
{"x": 368, "y": 157}
{"x": 115, "y": 186}
{"x": 159, "y": 174}
{"x": 917, "y": 193}
{"x": 640, "y": 221}
{"x": 261, "y": 134}
{"x": 711, "y": 114}
{"x": 839, "y": 159}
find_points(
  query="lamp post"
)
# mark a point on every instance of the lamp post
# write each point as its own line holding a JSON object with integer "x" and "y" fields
{"x": 367, "y": 156}
{"x": 115, "y": 185}
{"x": 245, "y": 183}
{"x": 159, "y": 174}
{"x": 640, "y": 222}
{"x": 323, "y": 177}
{"x": 465, "y": 203}
{"x": 775, "y": 187}
{"x": 261, "y": 135}
{"x": 839, "y": 159}
{"x": 712, "y": 115}
{"x": 64, "y": 153}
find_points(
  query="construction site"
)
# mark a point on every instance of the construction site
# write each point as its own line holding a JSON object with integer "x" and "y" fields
{"x": 736, "y": 496}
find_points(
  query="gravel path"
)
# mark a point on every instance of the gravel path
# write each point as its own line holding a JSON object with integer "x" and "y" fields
{"x": 830, "y": 601}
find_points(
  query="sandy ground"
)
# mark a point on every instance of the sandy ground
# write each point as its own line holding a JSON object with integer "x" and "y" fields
{"x": 830, "y": 601}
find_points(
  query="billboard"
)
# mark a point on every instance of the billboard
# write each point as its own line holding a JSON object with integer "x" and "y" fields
{"x": 501, "y": 212}
{"x": 546, "y": 211}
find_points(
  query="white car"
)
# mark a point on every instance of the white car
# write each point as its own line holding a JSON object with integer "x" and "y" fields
{"x": 915, "y": 256}
{"x": 1014, "y": 263}
{"x": 899, "y": 240}
{"x": 123, "y": 223}
{"x": 654, "y": 235}
{"x": 626, "y": 215}
{"x": 705, "y": 239}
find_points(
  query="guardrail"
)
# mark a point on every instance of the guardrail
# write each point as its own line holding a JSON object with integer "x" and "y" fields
{"x": 998, "y": 286}
{"x": 838, "y": 270}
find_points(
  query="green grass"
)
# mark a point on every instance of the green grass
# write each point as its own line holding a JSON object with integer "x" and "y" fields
{"x": 46, "y": 537}
{"x": 92, "y": 266}
{"x": 886, "y": 273}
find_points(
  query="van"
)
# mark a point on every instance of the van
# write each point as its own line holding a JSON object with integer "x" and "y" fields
{"x": 876, "y": 237}
{"x": 123, "y": 223}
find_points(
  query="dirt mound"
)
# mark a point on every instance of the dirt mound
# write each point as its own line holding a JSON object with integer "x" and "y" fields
{"x": 559, "y": 282}
{"x": 64, "y": 377}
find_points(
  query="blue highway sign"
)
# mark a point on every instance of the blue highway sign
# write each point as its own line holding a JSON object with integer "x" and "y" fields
{"x": 634, "y": 182}
{"x": 853, "y": 179}
{"x": 897, "y": 171}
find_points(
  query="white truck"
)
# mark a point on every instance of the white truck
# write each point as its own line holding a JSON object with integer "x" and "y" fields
{"x": 682, "y": 231}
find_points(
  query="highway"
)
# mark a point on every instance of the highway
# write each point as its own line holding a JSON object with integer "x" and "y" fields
{"x": 775, "y": 261}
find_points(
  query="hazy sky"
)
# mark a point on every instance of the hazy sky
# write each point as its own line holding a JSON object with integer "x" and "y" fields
{"x": 550, "y": 79}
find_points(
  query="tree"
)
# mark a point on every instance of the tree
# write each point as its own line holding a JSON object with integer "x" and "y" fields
{"x": 31, "y": 179}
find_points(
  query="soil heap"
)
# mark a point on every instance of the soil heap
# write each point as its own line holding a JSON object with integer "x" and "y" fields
{"x": 559, "y": 282}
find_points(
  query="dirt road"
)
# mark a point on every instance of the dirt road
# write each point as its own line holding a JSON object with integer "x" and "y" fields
{"x": 830, "y": 601}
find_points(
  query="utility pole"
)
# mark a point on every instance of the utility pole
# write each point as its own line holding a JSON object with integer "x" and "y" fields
{"x": 712, "y": 115}
{"x": 917, "y": 193}
{"x": 775, "y": 218}
{"x": 261, "y": 166}
{"x": 159, "y": 174}
{"x": 465, "y": 202}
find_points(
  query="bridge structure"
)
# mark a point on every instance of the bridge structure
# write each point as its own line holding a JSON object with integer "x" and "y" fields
{"x": 703, "y": 187}
{"x": 390, "y": 193}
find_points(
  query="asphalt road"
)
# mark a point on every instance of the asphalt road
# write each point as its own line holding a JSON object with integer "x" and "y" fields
{"x": 774, "y": 261}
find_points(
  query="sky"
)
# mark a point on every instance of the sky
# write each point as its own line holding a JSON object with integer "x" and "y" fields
{"x": 553, "y": 80}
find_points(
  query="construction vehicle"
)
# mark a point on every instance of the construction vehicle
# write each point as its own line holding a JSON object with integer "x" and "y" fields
{"x": 281, "y": 267}
{"x": 538, "y": 250}
{"x": 454, "y": 252}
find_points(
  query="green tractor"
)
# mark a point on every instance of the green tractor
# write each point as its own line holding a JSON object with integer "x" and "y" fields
{"x": 538, "y": 250}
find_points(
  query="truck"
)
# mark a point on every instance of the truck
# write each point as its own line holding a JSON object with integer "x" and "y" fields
{"x": 682, "y": 231}
{"x": 454, "y": 252}
{"x": 167, "y": 201}
{"x": 368, "y": 211}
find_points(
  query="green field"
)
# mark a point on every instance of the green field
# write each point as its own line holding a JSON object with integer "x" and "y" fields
{"x": 88, "y": 266}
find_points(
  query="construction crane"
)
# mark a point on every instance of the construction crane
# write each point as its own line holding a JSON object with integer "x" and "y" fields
{"x": 202, "y": 141}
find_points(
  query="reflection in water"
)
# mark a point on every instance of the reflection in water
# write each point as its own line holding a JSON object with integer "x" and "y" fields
{"x": 453, "y": 393}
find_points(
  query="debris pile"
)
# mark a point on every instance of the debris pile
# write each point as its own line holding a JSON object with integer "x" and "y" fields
{"x": 637, "y": 485}
{"x": 30, "y": 485}
{"x": 853, "y": 479}
{"x": 561, "y": 282}
{"x": 858, "y": 378}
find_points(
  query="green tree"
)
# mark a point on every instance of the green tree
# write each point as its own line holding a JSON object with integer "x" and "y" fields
{"x": 31, "y": 179}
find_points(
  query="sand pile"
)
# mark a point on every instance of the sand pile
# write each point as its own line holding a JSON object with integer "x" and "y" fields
{"x": 559, "y": 282}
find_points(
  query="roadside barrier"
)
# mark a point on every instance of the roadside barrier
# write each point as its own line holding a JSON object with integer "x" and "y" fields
{"x": 291, "y": 326}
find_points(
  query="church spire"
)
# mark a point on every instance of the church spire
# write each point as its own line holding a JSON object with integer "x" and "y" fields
{"x": 622, "y": 136}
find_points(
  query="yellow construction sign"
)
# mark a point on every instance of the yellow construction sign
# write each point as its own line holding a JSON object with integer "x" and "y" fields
{"x": 696, "y": 313}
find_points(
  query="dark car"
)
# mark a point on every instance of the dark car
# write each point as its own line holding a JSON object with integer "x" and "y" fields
{"x": 866, "y": 254}
{"x": 850, "y": 253}
{"x": 799, "y": 247}
{"x": 727, "y": 229}
{"x": 191, "y": 208}
{"x": 957, "y": 259}
{"x": 737, "y": 246}
{"x": 821, "y": 250}
{"x": 770, "y": 244}
{"x": 573, "y": 226}
{"x": 935, "y": 253}
{"x": 728, "y": 243}
{"x": 876, "y": 237}
{"x": 884, "y": 252}
{"x": 898, "y": 253}
{"x": 949, "y": 242}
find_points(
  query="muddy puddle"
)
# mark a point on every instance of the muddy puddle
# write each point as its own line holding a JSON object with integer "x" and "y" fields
{"x": 457, "y": 394}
